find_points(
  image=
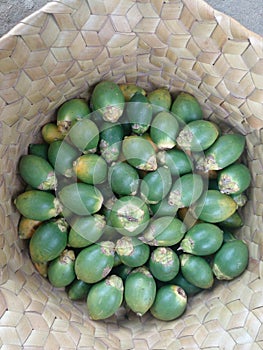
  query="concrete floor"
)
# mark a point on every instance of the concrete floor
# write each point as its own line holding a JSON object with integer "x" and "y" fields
{"x": 248, "y": 13}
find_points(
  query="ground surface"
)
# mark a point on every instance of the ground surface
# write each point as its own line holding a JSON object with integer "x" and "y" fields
{"x": 248, "y": 13}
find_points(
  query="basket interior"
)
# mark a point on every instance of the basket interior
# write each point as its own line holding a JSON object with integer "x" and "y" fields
{"x": 61, "y": 52}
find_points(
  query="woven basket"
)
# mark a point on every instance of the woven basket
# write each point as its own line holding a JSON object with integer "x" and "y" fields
{"x": 60, "y": 52}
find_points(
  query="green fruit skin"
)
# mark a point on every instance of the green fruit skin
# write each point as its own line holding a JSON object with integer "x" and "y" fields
{"x": 60, "y": 271}
{"x": 48, "y": 241}
{"x": 196, "y": 270}
{"x": 160, "y": 99}
{"x": 132, "y": 252}
{"x": 95, "y": 262}
{"x": 78, "y": 290}
{"x": 224, "y": 151}
{"x": 234, "y": 179}
{"x": 186, "y": 190}
{"x": 188, "y": 287}
{"x": 139, "y": 113}
{"x": 129, "y": 215}
{"x": 86, "y": 230}
{"x": 164, "y": 231}
{"x": 202, "y": 239}
{"x": 162, "y": 208}
{"x": 73, "y": 109}
{"x": 39, "y": 149}
{"x": 214, "y": 207}
{"x": 156, "y": 185}
{"x": 37, "y": 172}
{"x": 62, "y": 155}
{"x": 84, "y": 134}
{"x": 105, "y": 297}
{"x": 51, "y": 132}
{"x": 130, "y": 89}
{"x": 108, "y": 99}
{"x": 231, "y": 260}
{"x": 186, "y": 108}
{"x": 164, "y": 264}
{"x": 139, "y": 153}
{"x": 176, "y": 160}
{"x": 81, "y": 199}
{"x": 38, "y": 205}
{"x": 90, "y": 168}
{"x": 123, "y": 179}
{"x": 111, "y": 136}
{"x": 140, "y": 290}
{"x": 198, "y": 135}
{"x": 170, "y": 303}
{"x": 164, "y": 130}
{"x": 234, "y": 221}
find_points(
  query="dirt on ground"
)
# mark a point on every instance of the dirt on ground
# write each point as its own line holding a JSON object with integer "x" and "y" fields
{"x": 12, "y": 11}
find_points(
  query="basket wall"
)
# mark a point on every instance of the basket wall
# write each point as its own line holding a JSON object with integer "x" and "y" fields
{"x": 60, "y": 52}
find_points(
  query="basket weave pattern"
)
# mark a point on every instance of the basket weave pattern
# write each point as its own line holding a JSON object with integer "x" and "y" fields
{"x": 60, "y": 52}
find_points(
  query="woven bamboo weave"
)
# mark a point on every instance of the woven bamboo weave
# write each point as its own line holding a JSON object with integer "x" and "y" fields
{"x": 60, "y": 52}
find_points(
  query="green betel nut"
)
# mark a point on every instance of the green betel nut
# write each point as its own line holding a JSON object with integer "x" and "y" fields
{"x": 214, "y": 206}
{"x": 160, "y": 99}
{"x": 84, "y": 134}
{"x": 108, "y": 99}
{"x": 62, "y": 155}
{"x": 140, "y": 290}
{"x": 163, "y": 231}
{"x": 178, "y": 162}
{"x": 231, "y": 260}
{"x": 129, "y": 215}
{"x": 186, "y": 108}
{"x": 48, "y": 241}
{"x": 81, "y": 198}
{"x": 170, "y": 303}
{"x": 139, "y": 153}
{"x": 224, "y": 151}
{"x": 95, "y": 262}
{"x": 111, "y": 136}
{"x": 132, "y": 252}
{"x": 196, "y": 270}
{"x": 155, "y": 185}
{"x": 90, "y": 168}
{"x": 234, "y": 179}
{"x": 105, "y": 297}
{"x": 69, "y": 112}
{"x": 186, "y": 190}
{"x": 37, "y": 172}
{"x": 164, "y": 264}
{"x": 139, "y": 113}
{"x": 61, "y": 270}
{"x": 123, "y": 179}
{"x": 38, "y": 205}
{"x": 86, "y": 230}
{"x": 198, "y": 135}
{"x": 164, "y": 130}
{"x": 202, "y": 239}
